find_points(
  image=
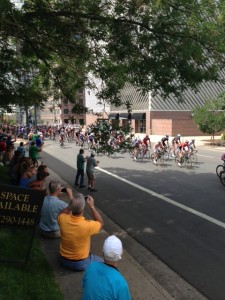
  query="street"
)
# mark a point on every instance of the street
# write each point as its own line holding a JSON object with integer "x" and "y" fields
{"x": 176, "y": 213}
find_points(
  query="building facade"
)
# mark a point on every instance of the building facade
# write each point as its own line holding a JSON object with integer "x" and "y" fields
{"x": 151, "y": 114}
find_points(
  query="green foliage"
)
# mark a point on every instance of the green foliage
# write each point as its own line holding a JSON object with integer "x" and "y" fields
{"x": 103, "y": 132}
{"x": 210, "y": 118}
{"x": 162, "y": 46}
{"x": 36, "y": 281}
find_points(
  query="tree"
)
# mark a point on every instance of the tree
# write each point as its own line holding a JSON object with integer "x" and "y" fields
{"x": 162, "y": 46}
{"x": 210, "y": 118}
{"x": 105, "y": 132}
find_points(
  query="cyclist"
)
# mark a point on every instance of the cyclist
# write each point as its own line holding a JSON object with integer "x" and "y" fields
{"x": 223, "y": 157}
{"x": 157, "y": 150}
{"x": 146, "y": 144}
{"x": 184, "y": 148}
{"x": 176, "y": 143}
{"x": 136, "y": 143}
{"x": 165, "y": 141}
{"x": 191, "y": 145}
{"x": 61, "y": 136}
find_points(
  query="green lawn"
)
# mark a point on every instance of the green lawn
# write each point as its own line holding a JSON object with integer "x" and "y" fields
{"x": 36, "y": 280}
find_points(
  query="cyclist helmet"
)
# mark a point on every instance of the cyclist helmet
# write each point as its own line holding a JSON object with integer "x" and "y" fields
{"x": 186, "y": 141}
{"x": 178, "y": 135}
{"x": 193, "y": 140}
{"x": 167, "y": 135}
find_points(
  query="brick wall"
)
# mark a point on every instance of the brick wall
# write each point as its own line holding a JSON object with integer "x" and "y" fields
{"x": 173, "y": 122}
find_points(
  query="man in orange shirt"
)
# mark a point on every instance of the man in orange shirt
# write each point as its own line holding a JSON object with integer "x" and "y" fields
{"x": 76, "y": 232}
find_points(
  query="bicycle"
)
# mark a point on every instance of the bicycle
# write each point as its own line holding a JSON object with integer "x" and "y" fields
{"x": 184, "y": 160}
{"x": 193, "y": 156}
{"x": 220, "y": 168}
{"x": 222, "y": 177}
{"x": 160, "y": 157}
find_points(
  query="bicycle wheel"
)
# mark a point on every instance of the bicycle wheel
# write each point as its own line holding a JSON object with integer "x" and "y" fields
{"x": 152, "y": 157}
{"x": 147, "y": 154}
{"x": 222, "y": 177}
{"x": 140, "y": 156}
{"x": 161, "y": 158}
{"x": 188, "y": 162}
{"x": 166, "y": 155}
{"x": 219, "y": 169}
{"x": 193, "y": 158}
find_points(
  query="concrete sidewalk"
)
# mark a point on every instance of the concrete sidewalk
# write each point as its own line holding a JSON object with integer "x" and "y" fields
{"x": 142, "y": 285}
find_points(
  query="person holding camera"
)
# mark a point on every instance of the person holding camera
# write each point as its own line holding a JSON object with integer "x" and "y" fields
{"x": 76, "y": 232}
{"x": 90, "y": 170}
{"x": 52, "y": 206}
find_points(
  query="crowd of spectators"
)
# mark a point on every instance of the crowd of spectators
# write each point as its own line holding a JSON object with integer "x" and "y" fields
{"x": 66, "y": 220}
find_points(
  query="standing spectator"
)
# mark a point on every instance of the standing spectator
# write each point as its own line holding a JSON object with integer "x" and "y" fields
{"x": 22, "y": 149}
{"x": 39, "y": 142}
{"x": 103, "y": 280}
{"x": 90, "y": 170}
{"x": 80, "y": 169}
{"x": 76, "y": 233}
{"x": 52, "y": 206}
{"x": 33, "y": 152}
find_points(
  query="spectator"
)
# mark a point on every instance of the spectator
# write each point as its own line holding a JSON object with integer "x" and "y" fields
{"x": 8, "y": 155}
{"x": 39, "y": 183}
{"x": 80, "y": 169}
{"x": 76, "y": 233}
{"x": 52, "y": 206}
{"x": 90, "y": 170}
{"x": 26, "y": 170}
{"x": 103, "y": 280}
{"x": 22, "y": 149}
{"x": 39, "y": 142}
{"x": 33, "y": 152}
{"x": 2, "y": 145}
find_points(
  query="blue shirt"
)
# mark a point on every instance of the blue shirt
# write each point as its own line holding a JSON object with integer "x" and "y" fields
{"x": 52, "y": 206}
{"x": 104, "y": 282}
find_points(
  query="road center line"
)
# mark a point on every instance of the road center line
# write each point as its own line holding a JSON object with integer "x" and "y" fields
{"x": 164, "y": 198}
{"x": 205, "y": 156}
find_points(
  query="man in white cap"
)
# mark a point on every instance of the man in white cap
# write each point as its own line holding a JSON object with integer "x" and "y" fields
{"x": 103, "y": 280}
{"x": 90, "y": 170}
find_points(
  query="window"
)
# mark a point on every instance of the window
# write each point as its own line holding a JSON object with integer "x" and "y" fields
{"x": 141, "y": 126}
{"x": 65, "y": 101}
{"x": 81, "y": 101}
{"x": 81, "y": 91}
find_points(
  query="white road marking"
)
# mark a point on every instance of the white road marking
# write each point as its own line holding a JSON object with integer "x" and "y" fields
{"x": 166, "y": 199}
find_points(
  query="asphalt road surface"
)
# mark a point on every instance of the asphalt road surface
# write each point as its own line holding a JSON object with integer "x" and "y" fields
{"x": 176, "y": 213}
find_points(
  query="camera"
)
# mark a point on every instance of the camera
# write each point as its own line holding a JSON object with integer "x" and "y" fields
{"x": 64, "y": 190}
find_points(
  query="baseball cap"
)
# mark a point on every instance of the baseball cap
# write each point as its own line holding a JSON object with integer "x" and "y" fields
{"x": 112, "y": 248}
{"x": 93, "y": 153}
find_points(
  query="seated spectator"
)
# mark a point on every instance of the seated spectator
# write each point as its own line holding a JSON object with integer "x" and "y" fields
{"x": 103, "y": 280}
{"x": 2, "y": 145}
{"x": 26, "y": 170}
{"x": 12, "y": 165}
{"x": 39, "y": 183}
{"x": 76, "y": 233}
{"x": 52, "y": 206}
{"x": 8, "y": 155}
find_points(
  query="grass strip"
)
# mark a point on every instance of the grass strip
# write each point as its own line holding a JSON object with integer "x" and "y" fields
{"x": 36, "y": 281}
